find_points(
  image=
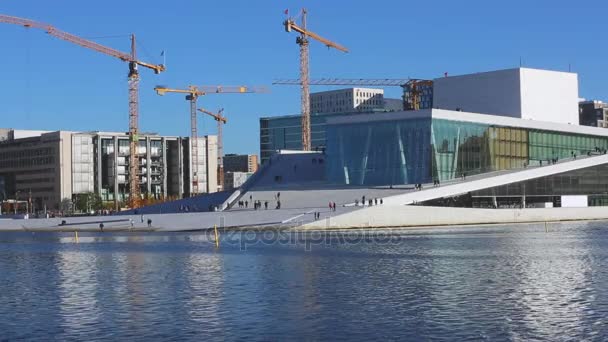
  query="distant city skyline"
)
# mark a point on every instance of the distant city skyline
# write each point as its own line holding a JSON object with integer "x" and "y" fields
{"x": 49, "y": 84}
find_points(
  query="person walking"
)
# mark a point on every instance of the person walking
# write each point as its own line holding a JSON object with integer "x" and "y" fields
{"x": 149, "y": 223}
{"x": 266, "y": 205}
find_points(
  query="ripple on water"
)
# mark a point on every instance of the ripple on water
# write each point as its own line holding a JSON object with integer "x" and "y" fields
{"x": 497, "y": 283}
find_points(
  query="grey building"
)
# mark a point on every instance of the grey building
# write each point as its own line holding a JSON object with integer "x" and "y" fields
{"x": 46, "y": 167}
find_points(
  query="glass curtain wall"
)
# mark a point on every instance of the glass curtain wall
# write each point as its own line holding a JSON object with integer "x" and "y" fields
{"x": 592, "y": 181}
{"x": 421, "y": 150}
{"x": 379, "y": 153}
{"x": 471, "y": 148}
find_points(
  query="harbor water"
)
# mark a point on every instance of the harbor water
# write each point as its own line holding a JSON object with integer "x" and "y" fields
{"x": 519, "y": 282}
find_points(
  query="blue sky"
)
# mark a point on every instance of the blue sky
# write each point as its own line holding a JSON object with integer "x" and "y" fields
{"x": 51, "y": 84}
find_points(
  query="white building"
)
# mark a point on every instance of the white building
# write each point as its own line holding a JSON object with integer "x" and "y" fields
{"x": 347, "y": 100}
{"x": 532, "y": 94}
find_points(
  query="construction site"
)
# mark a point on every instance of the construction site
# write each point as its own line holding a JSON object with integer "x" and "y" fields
{"x": 46, "y": 170}
{"x": 351, "y": 157}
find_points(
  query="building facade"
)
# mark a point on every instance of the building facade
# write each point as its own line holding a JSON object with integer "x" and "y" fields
{"x": 32, "y": 167}
{"x": 443, "y": 145}
{"x": 417, "y": 94}
{"x": 347, "y": 100}
{"x": 240, "y": 163}
{"x": 233, "y": 180}
{"x": 532, "y": 94}
{"x": 48, "y": 167}
{"x": 285, "y": 133}
{"x": 593, "y": 113}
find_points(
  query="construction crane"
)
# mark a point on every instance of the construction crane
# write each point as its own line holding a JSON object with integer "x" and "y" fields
{"x": 192, "y": 95}
{"x": 302, "y": 40}
{"x": 221, "y": 120}
{"x": 133, "y": 80}
{"x": 411, "y": 87}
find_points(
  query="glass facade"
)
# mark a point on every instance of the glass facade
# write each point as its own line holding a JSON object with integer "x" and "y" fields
{"x": 591, "y": 182}
{"x": 285, "y": 133}
{"x": 587, "y": 181}
{"x": 379, "y": 153}
{"x": 419, "y": 150}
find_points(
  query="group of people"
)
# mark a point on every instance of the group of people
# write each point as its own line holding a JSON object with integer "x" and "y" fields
{"x": 436, "y": 182}
{"x": 418, "y": 186}
{"x": 184, "y": 208}
{"x": 258, "y": 205}
{"x": 370, "y": 201}
{"x": 332, "y": 206}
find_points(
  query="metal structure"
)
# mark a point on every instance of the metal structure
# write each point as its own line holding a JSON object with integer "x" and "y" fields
{"x": 221, "y": 120}
{"x": 302, "y": 40}
{"x": 133, "y": 80}
{"x": 192, "y": 94}
{"x": 411, "y": 87}
{"x": 377, "y": 82}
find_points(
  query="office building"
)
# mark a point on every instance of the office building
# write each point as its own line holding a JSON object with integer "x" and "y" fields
{"x": 240, "y": 163}
{"x": 347, "y": 100}
{"x": 417, "y": 94}
{"x": 47, "y": 166}
{"x": 593, "y": 113}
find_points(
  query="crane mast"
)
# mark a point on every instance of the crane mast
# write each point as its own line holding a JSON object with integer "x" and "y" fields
{"x": 134, "y": 189}
{"x": 303, "y": 42}
{"x": 305, "y": 87}
{"x": 221, "y": 120}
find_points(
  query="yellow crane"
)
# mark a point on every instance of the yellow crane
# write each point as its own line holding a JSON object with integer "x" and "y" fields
{"x": 133, "y": 80}
{"x": 221, "y": 120}
{"x": 302, "y": 40}
{"x": 192, "y": 95}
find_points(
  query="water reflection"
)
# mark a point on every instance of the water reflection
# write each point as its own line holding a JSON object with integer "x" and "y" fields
{"x": 77, "y": 292}
{"x": 518, "y": 283}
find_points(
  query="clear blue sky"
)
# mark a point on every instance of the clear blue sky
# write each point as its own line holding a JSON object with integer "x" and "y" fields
{"x": 51, "y": 84}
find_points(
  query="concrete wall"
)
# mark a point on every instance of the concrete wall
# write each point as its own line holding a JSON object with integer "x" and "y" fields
{"x": 212, "y": 181}
{"x": 416, "y": 216}
{"x": 549, "y": 96}
{"x": 496, "y": 93}
{"x": 531, "y": 94}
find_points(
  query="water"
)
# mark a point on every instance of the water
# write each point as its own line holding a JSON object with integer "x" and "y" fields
{"x": 493, "y": 283}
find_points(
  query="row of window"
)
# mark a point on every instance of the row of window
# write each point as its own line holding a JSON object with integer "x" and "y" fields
{"x": 26, "y": 153}
{"x": 29, "y": 162}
